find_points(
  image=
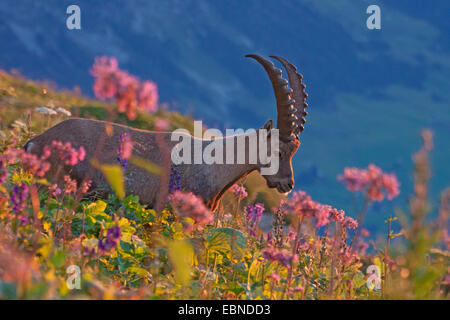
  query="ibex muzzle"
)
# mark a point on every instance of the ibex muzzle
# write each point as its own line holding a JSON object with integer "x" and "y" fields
{"x": 209, "y": 181}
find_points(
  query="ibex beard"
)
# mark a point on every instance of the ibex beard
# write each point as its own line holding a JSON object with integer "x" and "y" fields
{"x": 213, "y": 166}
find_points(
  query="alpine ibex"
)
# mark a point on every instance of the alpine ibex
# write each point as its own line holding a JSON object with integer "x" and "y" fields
{"x": 208, "y": 181}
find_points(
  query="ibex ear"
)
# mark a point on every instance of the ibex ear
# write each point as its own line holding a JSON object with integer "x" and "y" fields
{"x": 268, "y": 126}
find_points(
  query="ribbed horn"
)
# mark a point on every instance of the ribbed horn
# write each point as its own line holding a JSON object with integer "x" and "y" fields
{"x": 283, "y": 96}
{"x": 299, "y": 94}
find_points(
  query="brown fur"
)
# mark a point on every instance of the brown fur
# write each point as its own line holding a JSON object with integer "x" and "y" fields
{"x": 208, "y": 181}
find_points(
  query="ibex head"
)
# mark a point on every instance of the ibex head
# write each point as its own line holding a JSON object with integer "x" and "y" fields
{"x": 291, "y": 114}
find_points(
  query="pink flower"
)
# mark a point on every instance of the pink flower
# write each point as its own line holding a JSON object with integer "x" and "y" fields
{"x": 106, "y": 79}
{"x": 275, "y": 276}
{"x": 281, "y": 256}
{"x": 362, "y": 246}
{"x": 125, "y": 146}
{"x": 65, "y": 152}
{"x": 85, "y": 185}
{"x": 354, "y": 179}
{"x": 186, "y": 204}
{"x": 54, "y": 190}
{"x": 391, "y": 184}
{"x": 371, "y": 181}
{"x": 239, "y": 191}
{"x": 30, "y": 162}
{"x": 292, "y": 235}
{"x": 148, "y": 96}
{"x": 348, "y": 256}
{"x": 337, "y": 215}
{"x": 71, "y": 185}
{"x": 365, "y": 233}
{"x": 350, "y": 223}
{"x": 130, "y": 94}
{"x": 300, "y": 203}
{"x": 161, "y": 124}
{"x": 322, "y": 215}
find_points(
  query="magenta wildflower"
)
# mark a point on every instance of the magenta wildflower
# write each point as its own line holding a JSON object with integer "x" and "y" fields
{"x": 124, "y": 150}
{"x": 283, "y": 257}
{"x": 54, "y": 190}
{"x": 361, "y": 246}
{"x": 292, "y": 235}
{"x": 348, "y": 256}
{"x": 19, "y": 195}
{"x": 301, "y": 204}
{"x": 30, "y": 162}
{"x": 85, "y": 185}
{"x": 104, "y": 71}
{"x": 148, "y": 96}
{"x": 275, "y": 276}
{"x": 129, "y": 92}
{"x": 239, "y": 191}
{"x": 254, "y": 214}
{"x": 65, "y": 152}
{"x": 365, "y": 233}
{"x": 350, "y": 223}
{"x": 71, "y": 185}
{"x": 161, "y": 124}
{"x": 23, "y": 219}
{"x": 186, "y": 204}
{"x": 337, "y": 215}
{"x": 371, "y": 181}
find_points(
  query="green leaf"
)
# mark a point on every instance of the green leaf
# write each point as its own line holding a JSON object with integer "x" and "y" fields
{"x": 359, "y": 280}
{"x": 90, "y": 221}
{"x": 255, "y": 269}
{"x": 93, "y": 208}
{"x": 58, "y": 259}
{"x": 223, "y": 240}
{"x": 139, "y": 271}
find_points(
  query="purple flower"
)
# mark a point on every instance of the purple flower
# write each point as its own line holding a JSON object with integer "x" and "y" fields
{"x": 254, "y": 213}
{"x": 89, "y": 252}
{"x": 23, "y": 219}
{"x": 19, "y": 195}
{"x": 112, "y": 238}
{"x": 113, "y": 233}
{"x": 175, "y": 181}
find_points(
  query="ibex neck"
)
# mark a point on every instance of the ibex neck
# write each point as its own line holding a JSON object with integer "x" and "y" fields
{"x": 240, "y": 157}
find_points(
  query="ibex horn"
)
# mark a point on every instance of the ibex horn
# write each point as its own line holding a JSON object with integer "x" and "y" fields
{"x": 299, "y": 94}
{"x": 286, "y": 110}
